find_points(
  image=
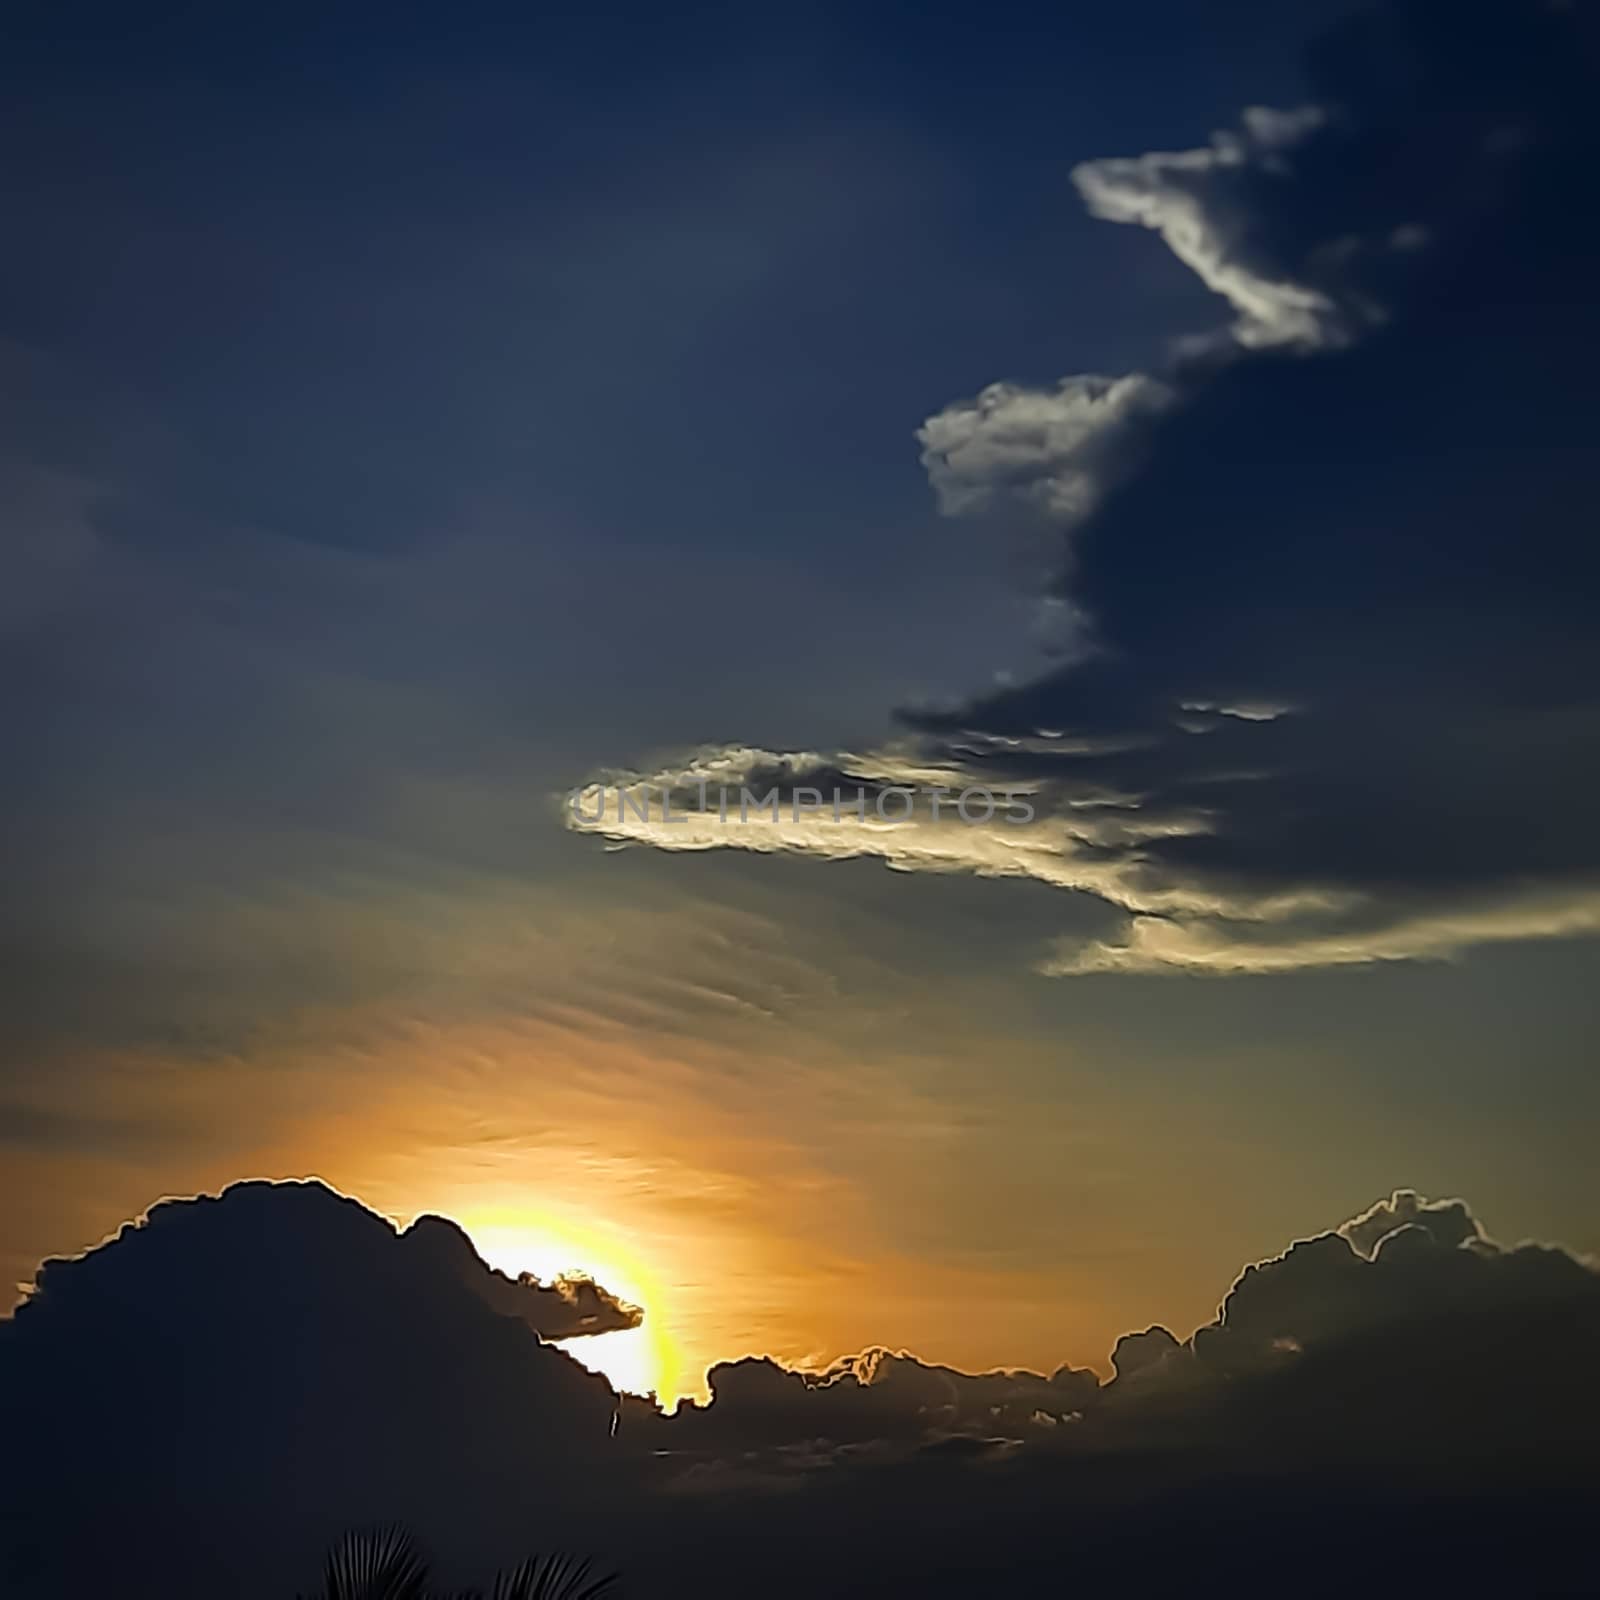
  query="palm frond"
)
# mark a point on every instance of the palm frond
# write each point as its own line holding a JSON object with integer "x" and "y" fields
{"x": 554, "y": 1577}
{"x": 375, "y": 1564}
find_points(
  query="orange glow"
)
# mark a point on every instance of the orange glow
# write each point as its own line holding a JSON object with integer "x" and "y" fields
{"x": 672, "y": 1174}
{"x": 517, "y": 1239}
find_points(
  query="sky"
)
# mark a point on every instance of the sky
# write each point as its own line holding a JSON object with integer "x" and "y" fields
{"x": 409, "y": 420}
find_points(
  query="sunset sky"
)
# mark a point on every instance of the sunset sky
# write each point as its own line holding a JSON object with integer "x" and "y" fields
{"x": 403, "y": 428}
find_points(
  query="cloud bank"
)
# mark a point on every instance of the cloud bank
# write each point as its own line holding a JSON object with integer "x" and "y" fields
{"x": 233, "y": 1380}
{"x": 1333, "y": 700}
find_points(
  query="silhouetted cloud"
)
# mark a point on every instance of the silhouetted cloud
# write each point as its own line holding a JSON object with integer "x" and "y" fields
{"x": 568, "y": 1307}
{"x": 1333, "y": 695}
{"x": 276, "y": 1364}
{"x": 1404, "y": 1261}
{"x": 1448, "y": 1222}
{"x": 879, "y": 1396}
{"x": 1404, "y": 1265}
{"x": 277, "y": 1361}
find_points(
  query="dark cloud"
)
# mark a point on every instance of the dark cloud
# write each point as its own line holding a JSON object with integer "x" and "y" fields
{"x": 1408, "y": 1271}
{"x": 1448, "y": 1222}
{"x": 1141, "y": 1353}
{"x": 1404, "y": 1262}
{"x": 568, "y": 1307}
{"x": 1334, "y": 695}
{"x": 232, "y": 1381}
{"x": 276, "y": 1360}
{"x": 880, "y": 1396}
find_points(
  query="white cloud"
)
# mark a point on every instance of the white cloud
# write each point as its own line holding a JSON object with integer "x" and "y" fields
{"x": 1058, "y": 449}
{"x": 1187, "y": 196}
{"x": 1214, "y": 946}
{"x": 1081, "y": 840}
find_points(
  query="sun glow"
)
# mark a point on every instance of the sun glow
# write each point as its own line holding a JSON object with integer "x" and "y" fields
{"x": 642, "y": 1360}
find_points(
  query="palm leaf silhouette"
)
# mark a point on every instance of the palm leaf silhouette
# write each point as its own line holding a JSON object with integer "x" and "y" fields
{"x": 554, "y": 1577}
{"x": 385, "y": 1564}
{"x": 375, "y": 1564}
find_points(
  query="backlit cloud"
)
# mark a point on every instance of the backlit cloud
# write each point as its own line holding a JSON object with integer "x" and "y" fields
{"x": 219, "y": 1338}
{"x": 1333, "y": 699}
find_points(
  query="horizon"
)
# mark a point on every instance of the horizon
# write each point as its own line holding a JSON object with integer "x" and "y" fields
{"x": 633, "y": 1360}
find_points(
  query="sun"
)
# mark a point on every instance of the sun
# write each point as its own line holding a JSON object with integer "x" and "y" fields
{"x": 641, "y": 1360}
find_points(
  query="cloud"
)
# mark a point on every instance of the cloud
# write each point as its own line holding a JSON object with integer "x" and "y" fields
{"x": 279, "y": 1356}
{"x": 1155, "y": 944}
{"x": 570, "y": 1306}
{"x": 1334, "y": 699}
{"x": 275, "y": 1364}
{"x": 1201, "y": 202}
{"x": 920, "y": 811}
{"x": 1404, "y": 1263}
{"x": 1351, "y": 1345}
{"x": 1141, "y": 1353}
{"x": 1403, "y": 1275}
{"x": 1058, "y": 450}
{"x": 879, "y": 1395}
{"x": 1449, "y": 1223}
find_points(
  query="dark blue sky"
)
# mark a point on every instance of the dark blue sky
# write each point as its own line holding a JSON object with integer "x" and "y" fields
{"x": 673, "y": 278}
